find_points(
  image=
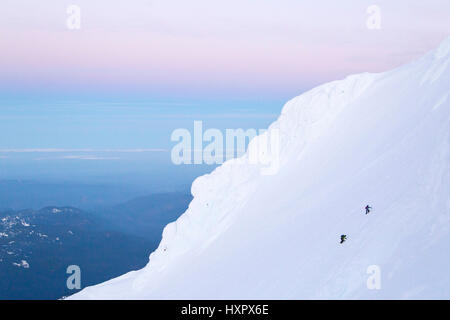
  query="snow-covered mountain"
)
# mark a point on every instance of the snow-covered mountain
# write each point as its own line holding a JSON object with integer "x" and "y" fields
{"x": 380, "y": 139}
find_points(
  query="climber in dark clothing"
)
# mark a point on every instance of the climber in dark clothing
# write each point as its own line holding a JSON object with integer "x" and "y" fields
{"x": 368, "y": 208}
{"x": 343, "y": 238}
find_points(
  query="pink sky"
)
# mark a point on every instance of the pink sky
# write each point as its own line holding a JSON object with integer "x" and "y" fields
{"x": 244, "y": 47}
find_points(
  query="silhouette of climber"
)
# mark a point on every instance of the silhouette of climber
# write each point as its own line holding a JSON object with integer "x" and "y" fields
{"x": 368, "y": 208}
{"x": 343, "y": 238}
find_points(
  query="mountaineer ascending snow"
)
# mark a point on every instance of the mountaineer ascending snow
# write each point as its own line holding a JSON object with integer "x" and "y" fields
{"x": 368, "y": 208}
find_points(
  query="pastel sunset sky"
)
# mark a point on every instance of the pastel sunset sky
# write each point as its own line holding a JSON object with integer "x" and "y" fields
{"x": 138, "y": 69}
{"x": 204, "y": 48}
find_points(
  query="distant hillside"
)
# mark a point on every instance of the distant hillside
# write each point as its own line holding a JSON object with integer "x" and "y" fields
{"x": 23, "y": 194}
{"x": 36, "y": 247}
{"x": 147, "y": 216}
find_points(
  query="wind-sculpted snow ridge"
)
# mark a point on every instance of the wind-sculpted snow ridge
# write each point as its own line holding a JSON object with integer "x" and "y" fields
{"x": 381, "y": 139}
{"x": 219, "y": 195}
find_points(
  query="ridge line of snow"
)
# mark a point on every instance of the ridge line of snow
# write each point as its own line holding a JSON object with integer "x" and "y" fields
{"x": 219, "y": 195}
{"x": 296, "y": 118}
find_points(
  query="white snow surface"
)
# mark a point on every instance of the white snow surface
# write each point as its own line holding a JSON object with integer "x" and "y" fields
{"x": 380, "y": 139}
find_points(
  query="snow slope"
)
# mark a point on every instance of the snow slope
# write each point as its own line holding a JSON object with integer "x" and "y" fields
{"x": 379, "y": 139}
